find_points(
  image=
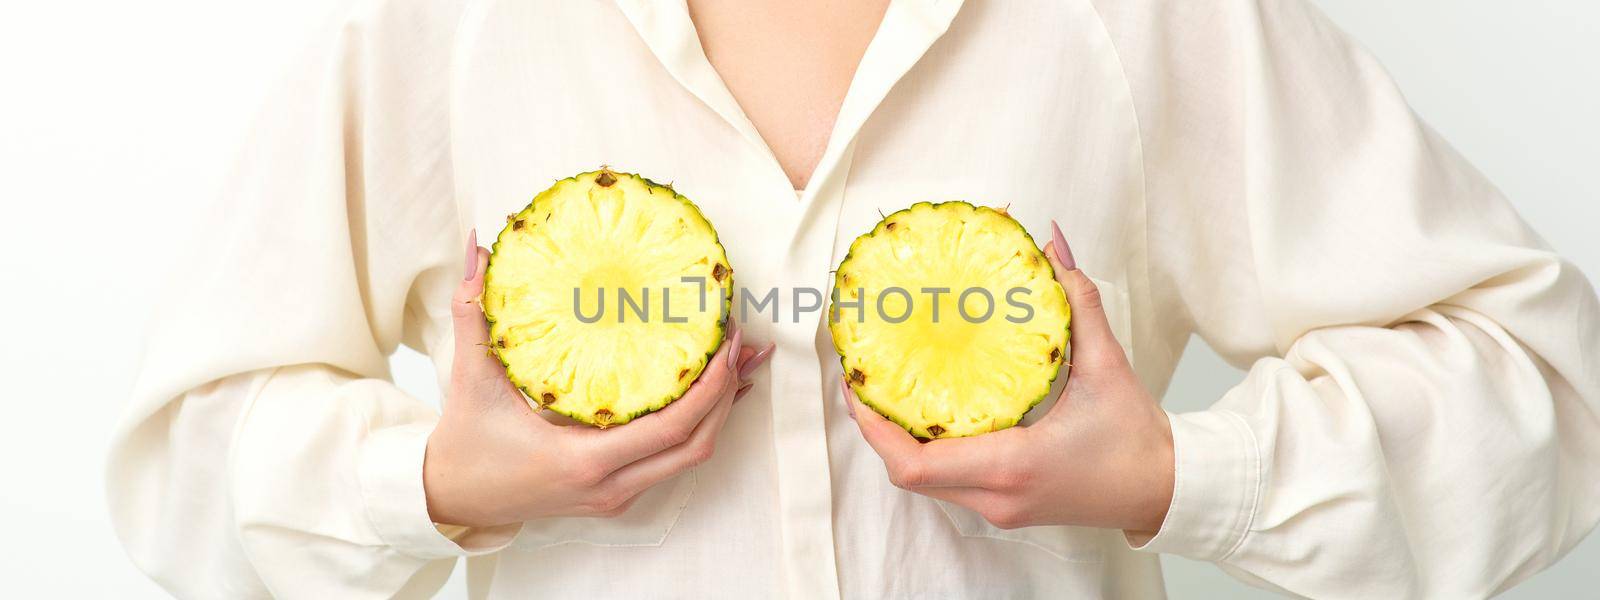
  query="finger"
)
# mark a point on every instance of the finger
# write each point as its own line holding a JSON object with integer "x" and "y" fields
{"x": 892, "y": 443}
{"x": 748, "y": 363}
{"x": 965, "y": 462}
{"x": 674, "y": 424}
{"x": 640, "y": 475}
{"x": 473, "y": 365}
{"x": 750, "y": 360}
{"x": 746, "y": 353}
{"x": 1092, "y": 338}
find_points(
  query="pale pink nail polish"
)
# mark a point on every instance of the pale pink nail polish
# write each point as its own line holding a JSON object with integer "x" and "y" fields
{"x": 472, "y": 255}
{"x": 755, "y": 361}
{"x": 735, "y": 344}
{"x": 1063, "y": 251}
{"x": 743, "y": 389}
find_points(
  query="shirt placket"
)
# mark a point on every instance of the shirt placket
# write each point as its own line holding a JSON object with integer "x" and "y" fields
{"x": 799, "y": 257}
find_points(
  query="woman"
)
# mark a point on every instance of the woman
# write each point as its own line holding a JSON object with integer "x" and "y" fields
{"x": 1419, "y": 419}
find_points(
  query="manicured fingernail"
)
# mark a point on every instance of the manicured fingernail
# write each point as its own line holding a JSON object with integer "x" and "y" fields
{"x": 755, "y": 361}
{"x": 472, "y": 255}
{"x": 743, "y": 389}
{"x": 734, "y": 346}
{"x": 849, "y": 399}
{"x": 1063, "y": 251}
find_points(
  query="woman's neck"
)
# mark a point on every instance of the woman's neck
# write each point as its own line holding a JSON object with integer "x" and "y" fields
{"x": 789, "y": 64}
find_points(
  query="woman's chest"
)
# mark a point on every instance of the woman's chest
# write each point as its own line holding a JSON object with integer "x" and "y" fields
{"x": 1050, "y": 135}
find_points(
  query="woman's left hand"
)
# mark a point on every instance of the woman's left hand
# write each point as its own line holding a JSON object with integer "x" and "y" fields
{"x": 1102, "y": 456}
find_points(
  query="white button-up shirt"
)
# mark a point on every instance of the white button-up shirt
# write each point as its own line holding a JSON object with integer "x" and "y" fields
{"x": 1419, "y": 418}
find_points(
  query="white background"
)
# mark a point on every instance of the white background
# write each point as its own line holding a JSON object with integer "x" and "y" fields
{"x": 119, "y": 118}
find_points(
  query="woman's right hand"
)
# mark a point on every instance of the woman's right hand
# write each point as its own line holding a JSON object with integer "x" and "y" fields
{"x": 492, "y": 461}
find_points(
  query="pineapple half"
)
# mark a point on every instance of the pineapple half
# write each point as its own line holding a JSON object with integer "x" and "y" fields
{"x": 964, "y": 374}
{"x": 606, "y": 297}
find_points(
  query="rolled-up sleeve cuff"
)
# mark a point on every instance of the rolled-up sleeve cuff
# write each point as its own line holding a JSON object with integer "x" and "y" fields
{"x": 1216, "y": 482}
{"x": 391, "y": 485}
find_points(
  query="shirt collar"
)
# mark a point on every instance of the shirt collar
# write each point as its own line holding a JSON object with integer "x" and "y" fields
{"x": 909, "y": 28}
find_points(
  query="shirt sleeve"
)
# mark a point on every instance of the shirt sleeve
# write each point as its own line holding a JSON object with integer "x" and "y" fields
{"x": 1419, "y": 418}
{"x": 265, "y": 451}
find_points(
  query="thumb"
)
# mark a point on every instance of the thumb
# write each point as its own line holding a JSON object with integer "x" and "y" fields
{"x": 1092, "y": 341}
{"x": 473, "y": 365}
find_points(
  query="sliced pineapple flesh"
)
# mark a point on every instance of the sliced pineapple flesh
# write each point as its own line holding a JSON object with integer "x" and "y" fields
{"x": 909, "y": 351}
{"x": 606, "y": 297}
